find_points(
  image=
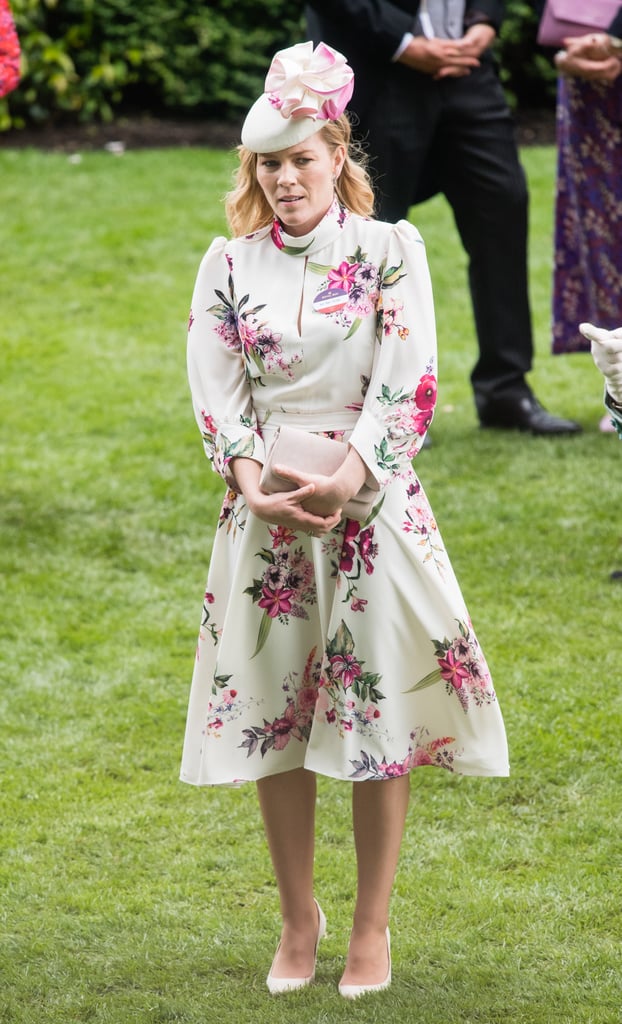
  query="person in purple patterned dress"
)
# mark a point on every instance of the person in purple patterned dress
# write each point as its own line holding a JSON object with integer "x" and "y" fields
{"x": 587, "y": 273}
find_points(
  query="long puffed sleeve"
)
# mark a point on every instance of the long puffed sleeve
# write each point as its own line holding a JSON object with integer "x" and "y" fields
{"x": 219, "y": 386}
{"x": 401, "y": 396}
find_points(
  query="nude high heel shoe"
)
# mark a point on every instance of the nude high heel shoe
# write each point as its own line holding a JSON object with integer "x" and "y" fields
{"x": 278, "y": 985}
{"x": 354, "y": 991}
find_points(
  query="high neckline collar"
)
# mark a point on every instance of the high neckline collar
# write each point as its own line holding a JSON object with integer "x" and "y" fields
{"x": 328, "y": 229}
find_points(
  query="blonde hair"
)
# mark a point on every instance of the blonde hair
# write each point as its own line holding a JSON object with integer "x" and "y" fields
{"x": 247, "y": 208}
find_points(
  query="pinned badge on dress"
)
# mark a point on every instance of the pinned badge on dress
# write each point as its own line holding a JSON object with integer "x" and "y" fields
{"x": 330, "y": 301}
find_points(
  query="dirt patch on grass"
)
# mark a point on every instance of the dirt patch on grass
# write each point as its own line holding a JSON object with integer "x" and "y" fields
{"x": 534, "y": 128}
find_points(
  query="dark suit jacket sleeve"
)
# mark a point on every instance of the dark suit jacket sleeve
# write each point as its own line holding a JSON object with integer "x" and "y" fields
{"x": 492, "y": 9}
{"x": 371, "y": 24}
{"x": 377, "y": 27}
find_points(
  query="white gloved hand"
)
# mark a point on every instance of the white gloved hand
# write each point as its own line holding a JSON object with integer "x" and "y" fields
{"x": 607, "y": 354}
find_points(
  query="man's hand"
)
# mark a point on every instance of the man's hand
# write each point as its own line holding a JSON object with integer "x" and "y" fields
{"x": 477, "y": 39}
{"x": 448, "y": 58}
{"x": 438, "y": 58}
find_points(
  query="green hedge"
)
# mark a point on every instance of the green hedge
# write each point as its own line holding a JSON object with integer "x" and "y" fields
{"x": 527, "y": 70}
{"x": 90, "y": 60}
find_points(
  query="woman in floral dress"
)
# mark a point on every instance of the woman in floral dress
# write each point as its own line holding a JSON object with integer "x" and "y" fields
{"x": 326, "y": 645}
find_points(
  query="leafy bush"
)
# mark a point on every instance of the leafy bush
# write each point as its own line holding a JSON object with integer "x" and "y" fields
{"x": 527, "y": 71}
{"x": 89, "y": 60}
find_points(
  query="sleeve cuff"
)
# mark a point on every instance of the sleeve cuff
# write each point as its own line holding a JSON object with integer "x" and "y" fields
{"x": 234, "y": 442}
{"x": 406, "y": 38}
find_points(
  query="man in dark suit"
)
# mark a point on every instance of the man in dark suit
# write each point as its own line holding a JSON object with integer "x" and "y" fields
{"x": 434, "y": 118}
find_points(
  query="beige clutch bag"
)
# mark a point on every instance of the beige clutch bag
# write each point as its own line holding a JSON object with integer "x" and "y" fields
{"x": 312, "y": 453}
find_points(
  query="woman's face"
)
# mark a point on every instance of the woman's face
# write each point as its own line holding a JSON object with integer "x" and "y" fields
{"x": 298, "y": 182}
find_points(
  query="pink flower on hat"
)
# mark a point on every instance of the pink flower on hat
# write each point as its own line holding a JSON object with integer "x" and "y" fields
{"x": 307, "y": 82}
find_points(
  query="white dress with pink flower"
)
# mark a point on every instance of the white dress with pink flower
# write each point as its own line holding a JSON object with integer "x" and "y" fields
{"x": 352, "y": 655}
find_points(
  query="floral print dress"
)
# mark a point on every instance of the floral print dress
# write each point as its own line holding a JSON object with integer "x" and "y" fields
{"x": 353, "y": 654}
{"x": 9, "y": 50}
{"x": 587, "y": 279}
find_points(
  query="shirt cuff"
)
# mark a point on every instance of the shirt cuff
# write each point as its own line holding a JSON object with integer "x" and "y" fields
{"x": 406, "y": 38}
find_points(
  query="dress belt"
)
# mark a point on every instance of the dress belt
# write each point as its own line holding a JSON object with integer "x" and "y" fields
{"x": 319, "y": 422}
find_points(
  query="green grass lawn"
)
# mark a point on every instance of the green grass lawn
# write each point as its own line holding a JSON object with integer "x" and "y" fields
{"x": 128, "y": 897}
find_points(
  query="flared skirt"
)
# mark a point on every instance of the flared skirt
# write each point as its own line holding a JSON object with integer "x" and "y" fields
{"x": 352, "y": 655}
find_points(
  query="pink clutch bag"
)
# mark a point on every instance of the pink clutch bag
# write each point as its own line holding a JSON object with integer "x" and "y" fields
{"x": 562, "y": 18}
{"x": 312, "y": 453}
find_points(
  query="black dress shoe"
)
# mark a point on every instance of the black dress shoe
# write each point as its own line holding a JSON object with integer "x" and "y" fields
{"x": 524, "y": 413}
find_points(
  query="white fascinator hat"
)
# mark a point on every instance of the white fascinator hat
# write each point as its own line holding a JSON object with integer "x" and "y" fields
{"x": 304, "y": 88}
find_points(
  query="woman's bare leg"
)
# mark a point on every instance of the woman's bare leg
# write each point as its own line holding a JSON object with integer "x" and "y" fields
{"x": 287, "y": 803}
{"x": 379, "y": 815}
